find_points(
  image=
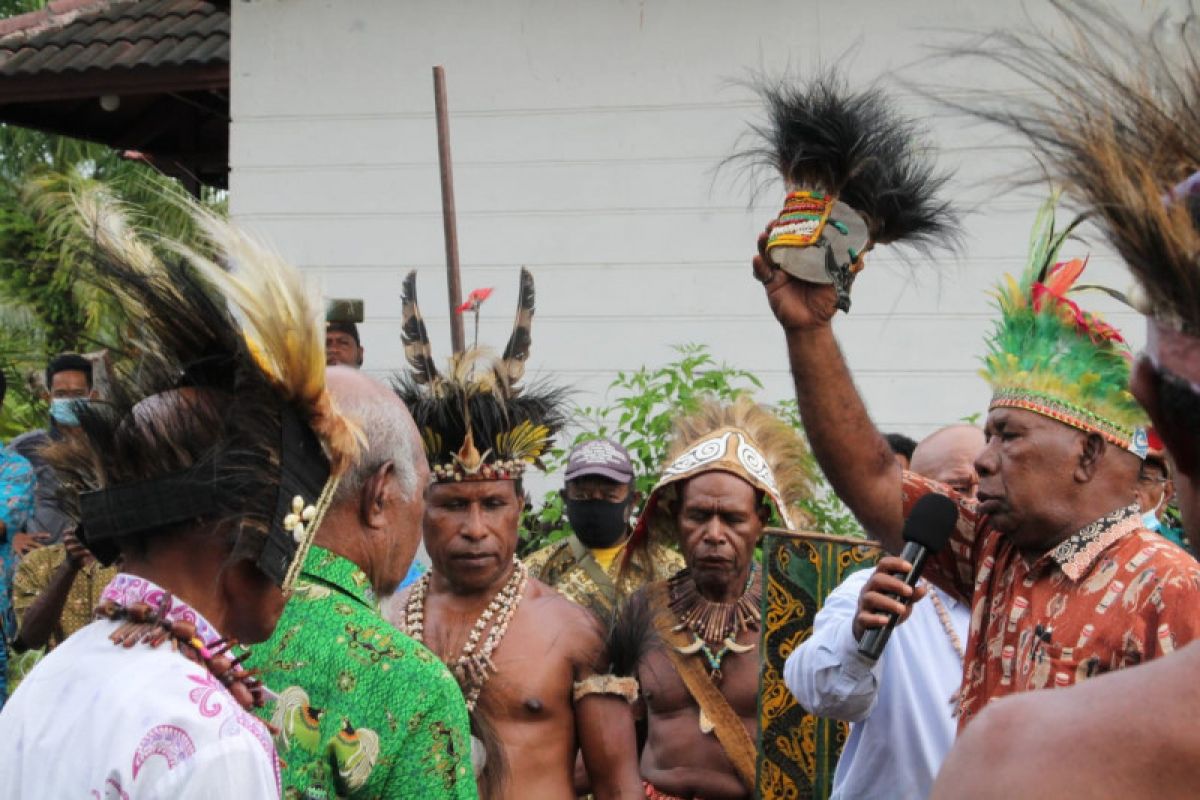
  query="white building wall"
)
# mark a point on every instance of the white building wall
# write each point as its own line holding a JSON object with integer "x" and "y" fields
{"x": 586, "y": 140}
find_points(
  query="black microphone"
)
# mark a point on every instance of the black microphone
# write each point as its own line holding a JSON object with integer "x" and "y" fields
{"x": 926, "y": 532}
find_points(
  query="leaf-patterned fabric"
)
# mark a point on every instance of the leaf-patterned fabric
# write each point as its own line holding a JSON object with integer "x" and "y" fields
{"x": 364, "y": 711}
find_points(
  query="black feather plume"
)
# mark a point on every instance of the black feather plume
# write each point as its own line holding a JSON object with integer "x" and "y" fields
{"x": 854, "y": 145}
{"x": 223, "y": 431}
{"x": 446, "y": 411}
{"x": 632, "y": 634}
{"x": 417, "y": 349}
{"x": 512, "y": 362}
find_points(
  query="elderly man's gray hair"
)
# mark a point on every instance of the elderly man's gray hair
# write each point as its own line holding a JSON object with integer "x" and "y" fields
{"x": 391, "y": 436}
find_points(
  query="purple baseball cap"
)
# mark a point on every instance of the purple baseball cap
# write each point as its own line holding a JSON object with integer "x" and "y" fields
{"x": 600, "y": 457}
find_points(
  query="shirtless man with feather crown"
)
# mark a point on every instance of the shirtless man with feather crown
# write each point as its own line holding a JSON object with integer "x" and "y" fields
{"x": 532, "y": 665}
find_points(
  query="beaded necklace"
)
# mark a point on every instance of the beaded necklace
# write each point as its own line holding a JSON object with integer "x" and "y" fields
{"x": 947, "y": 625}
{"x": 955, "y": 642}
{"x": 472, "y": 669}
{"x": 141, "y": 622}
{"x": 714, "y": 626}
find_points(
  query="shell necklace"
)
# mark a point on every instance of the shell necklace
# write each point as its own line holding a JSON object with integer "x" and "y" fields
{"x": 473, "y": 667}
{"x": 714, "y": 626}
{"x": 955, "y": 642}
{"x": 947, "y": 625}
{"x": 141, "y": 622}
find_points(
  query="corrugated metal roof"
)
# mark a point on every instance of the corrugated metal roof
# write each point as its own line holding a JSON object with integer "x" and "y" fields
{"x": 79, "y": 35}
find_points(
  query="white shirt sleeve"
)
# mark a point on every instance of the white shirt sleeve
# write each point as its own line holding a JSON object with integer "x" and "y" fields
{"x": 825, "y": 672}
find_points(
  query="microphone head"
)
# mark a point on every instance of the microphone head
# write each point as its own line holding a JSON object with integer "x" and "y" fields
{"x": 931, "y": 522}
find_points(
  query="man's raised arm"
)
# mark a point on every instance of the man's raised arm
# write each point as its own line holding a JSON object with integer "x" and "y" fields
{"x": 853, "y": 454}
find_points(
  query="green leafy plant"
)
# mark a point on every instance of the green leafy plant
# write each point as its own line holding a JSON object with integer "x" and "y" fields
{"x": 829, "y": 514}
{"x": 21, "y": 342}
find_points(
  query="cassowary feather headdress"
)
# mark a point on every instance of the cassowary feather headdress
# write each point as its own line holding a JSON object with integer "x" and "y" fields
{"x": 1047, "y": 355}
{"x": 856, "y": 176}
{"x": 218, "y": 412}
{"x": 476, "y": 421}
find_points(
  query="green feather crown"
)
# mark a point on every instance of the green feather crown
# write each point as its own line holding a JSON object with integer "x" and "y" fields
{"x": 1048, "y": 356}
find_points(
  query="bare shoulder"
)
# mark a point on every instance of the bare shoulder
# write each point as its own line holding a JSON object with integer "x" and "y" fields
{"x": 575, "y": 629}
{"x": 553, "y": 608}
{"x": 1125, "y": 734}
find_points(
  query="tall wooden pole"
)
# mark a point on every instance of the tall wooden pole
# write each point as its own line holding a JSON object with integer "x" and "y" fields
{"x": 449, "y": 223}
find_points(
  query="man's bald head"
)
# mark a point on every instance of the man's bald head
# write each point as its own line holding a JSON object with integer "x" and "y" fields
{"x": 389, "y": 429}
{"x": 375, "y": 519}
{"x": 948, "y": 456}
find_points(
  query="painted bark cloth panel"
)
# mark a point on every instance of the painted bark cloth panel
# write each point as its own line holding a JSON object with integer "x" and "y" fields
{"x": 798, "y": 752}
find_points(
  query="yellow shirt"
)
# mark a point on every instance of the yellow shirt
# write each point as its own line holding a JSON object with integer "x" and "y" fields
{"x": 33, "y": 575}
{"x": 607, "y": 555}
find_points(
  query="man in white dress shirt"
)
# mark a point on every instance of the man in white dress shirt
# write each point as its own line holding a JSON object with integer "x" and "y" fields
{"x": 900, "y": 706}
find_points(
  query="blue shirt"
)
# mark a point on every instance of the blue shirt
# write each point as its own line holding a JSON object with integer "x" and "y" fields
{"x": 47, "y": 515}
{"x": 414, "y": 572}
{"x": 900, "y": 709}
{"x": 16, "y": 506}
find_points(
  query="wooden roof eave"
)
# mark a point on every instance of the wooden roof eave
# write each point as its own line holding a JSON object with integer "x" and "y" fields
{"x": 41, "y": 88}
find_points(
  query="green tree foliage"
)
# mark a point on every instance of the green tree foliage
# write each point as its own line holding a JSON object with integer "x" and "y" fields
{"x": 45, "y": 306}
{"x": 11, "y": 8}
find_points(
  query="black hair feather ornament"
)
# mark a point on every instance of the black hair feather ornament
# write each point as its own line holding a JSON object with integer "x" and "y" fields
{"x": 855, "y": 176}
{"x": 477, "y": 421}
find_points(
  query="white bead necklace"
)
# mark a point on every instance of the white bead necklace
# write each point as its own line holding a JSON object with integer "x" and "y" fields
{"x": 472, "y": 669}
{"x": 955, "y": 642}
{"x": 947, "y": 624}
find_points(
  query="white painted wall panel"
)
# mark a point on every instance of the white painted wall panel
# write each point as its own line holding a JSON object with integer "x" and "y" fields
{"x": 587, "y": 138}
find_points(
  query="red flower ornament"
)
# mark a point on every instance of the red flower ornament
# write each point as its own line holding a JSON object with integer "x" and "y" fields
{"x": 475, "y": 300}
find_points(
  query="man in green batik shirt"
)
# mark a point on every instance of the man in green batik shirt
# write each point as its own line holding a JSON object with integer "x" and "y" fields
{"x": 364, "y": 711}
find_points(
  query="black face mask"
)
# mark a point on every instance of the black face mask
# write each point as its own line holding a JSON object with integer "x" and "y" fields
{"x": 598, "y": 523}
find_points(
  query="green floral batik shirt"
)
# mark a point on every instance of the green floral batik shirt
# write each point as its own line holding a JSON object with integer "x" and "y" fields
{"x": 363, "y": 711}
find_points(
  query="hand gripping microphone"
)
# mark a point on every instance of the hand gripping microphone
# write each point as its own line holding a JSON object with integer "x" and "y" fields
{"x": 926, "y": 532}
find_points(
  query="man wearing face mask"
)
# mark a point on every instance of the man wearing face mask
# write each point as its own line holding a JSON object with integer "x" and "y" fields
{"x": 68, "y": 383}
{"x": 1155, "y": 490}
{"x": 594, "y": 567}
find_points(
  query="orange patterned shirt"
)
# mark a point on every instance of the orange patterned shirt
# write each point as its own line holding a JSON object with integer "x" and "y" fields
{"x": 1112, "y": 595}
